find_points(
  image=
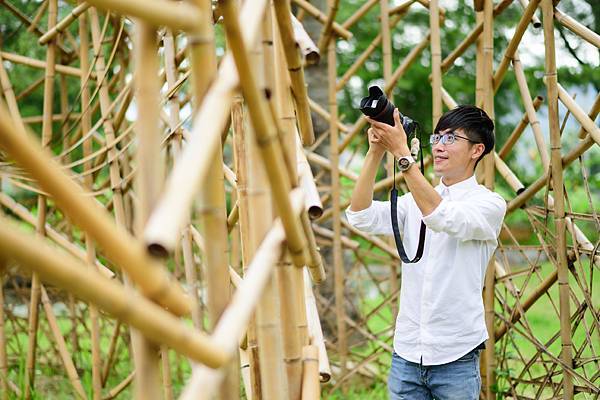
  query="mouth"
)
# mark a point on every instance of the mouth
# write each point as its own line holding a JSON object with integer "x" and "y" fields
{"x": 438, "y": 159}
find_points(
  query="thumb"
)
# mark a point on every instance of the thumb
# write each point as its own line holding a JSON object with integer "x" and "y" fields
{"x": 397, "y": 121}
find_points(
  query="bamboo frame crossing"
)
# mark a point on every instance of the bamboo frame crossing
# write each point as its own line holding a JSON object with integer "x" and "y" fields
{"x": 178, "y": 215}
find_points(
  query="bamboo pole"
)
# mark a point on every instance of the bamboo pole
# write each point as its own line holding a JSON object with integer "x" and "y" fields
{"x": 32, "y": 62}
{"x": 233, "y": 323}
{"x": 321, "y": 17}
{"x": 364, "y": 56}
{"x": 592, "y": 115}
{"x": 148, "y": 181}
{"x": 586, "y": 122}
{"x": 294, "y": 63}
{"x": 176, "y": 16}
{"x": 310, "y": 373}
{"x": 559, "y": 206}
{"x": 63, "y": 24}
{"x": 51, "y": 233}
{"x": 337, "y": 229}
{"x": 41, "y": 204}
{"x": 516, "y": 133}
{"x": 9, "y": 94}
{"x": 116, "y": 242}
{"x": 212, "y": 211}
{"x": 309, "y": 49}
{"x": 436, "y": 61}
{"x": 62, "y": 270}
{"x": 191, "y": 275}
{"x": 31, "y": 24}
{"x": 326, "y": 32}
{"x": 531, "y": 115}
{"x": 172, "y": 211}
{"x": 514, "y": 43}
{"x": 577, "y": 28}
{"x": 358, "y": 14}
{"x": 62, "y": 347}
{"x": 316, "y": 332}
{"x": 90, "y": 253}
{"x": 307, "y": 182}
{"x": 266, "y": 134}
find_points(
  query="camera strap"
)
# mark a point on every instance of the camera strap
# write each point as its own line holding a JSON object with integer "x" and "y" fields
{"x": 396, "y": 229}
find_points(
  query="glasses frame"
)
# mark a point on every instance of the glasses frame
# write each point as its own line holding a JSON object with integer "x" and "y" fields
{"x": 447, "y": 135}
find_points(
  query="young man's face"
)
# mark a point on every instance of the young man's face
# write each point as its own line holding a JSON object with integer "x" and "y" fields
{"x": 457, "y": 160}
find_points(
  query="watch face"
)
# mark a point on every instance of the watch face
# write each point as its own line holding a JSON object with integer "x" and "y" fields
{"x": 403, "y": 163}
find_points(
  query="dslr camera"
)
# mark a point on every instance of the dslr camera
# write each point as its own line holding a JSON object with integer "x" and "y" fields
{"x": 377, "y": 106}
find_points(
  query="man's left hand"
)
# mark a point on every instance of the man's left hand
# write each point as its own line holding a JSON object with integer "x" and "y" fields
{"x": 392, "y": 138}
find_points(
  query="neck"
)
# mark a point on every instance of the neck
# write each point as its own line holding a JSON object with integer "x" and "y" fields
{"x": 451, "y": 180}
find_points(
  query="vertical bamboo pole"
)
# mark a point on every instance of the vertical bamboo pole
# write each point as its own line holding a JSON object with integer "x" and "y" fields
{"x": 310, "y": 374}
{"x": 148, "y": 182}
{"x": 191, "y": 275}
{"x": 255, "y": 195}
{"x": 338, "y": 266}
{"x": 436, "y": 61}
{"x": 9, "y": 94}
{"x": 212, "y": 212}
{"x": 41, "y": 203}
{"x": 487, "y": 71}
{"x": 241, "y": 159}
{"x": 86, "y": 126}
{"x": 386, "y": 46}
{"x": 289, "y": 277}
{"x": 559, "y": 205}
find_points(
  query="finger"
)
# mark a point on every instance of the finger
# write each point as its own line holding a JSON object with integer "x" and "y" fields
{"x": 397, "y": 121}
{"x": 377, "y": 124}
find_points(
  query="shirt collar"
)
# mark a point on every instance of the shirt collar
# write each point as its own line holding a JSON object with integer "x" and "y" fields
{"x": 460, "y": 187}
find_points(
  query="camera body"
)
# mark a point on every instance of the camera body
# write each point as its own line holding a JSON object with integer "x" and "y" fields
{"x": 377, "y": 106}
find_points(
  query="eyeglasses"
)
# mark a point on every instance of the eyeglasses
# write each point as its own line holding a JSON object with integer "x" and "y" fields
{"x": 447, "y": 138}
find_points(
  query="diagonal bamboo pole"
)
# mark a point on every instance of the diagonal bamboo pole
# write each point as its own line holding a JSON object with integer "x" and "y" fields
{"x": 62, "y": 346}
{"x": 577, "y": 28}
{"x": 62, "y": 270}
{"x": 320, "y": 16}
{"x": 116, "y": 242}
{"x": 586, "y": 122}
{"x": 63, "y": 24}
{"x": 531, "y": 115}
{"x": 516, "y": 133}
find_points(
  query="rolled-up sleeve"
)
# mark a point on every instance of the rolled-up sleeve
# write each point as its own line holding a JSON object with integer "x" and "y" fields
{"x": 376, "y": 218}
{"x": 479, "y": 218}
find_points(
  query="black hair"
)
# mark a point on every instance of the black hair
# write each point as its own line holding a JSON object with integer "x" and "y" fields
{"x": 474, "y": 121}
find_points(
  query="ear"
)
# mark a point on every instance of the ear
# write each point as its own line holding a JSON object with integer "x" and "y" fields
{"x": 478, "y": 149}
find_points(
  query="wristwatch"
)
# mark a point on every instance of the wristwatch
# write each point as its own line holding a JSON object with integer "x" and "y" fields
{"x": 405, "y": 162}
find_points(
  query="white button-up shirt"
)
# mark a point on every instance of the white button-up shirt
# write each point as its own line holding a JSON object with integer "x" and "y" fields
{"x": 441, "y": 314}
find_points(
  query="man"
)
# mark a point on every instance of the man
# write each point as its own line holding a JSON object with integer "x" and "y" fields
{"x": 440, "y": 329}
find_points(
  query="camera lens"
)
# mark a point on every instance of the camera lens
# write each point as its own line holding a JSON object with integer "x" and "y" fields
{"x": 377, "y": 106}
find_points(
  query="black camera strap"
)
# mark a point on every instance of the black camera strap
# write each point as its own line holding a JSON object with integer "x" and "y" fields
{"x": 396, "y": 229}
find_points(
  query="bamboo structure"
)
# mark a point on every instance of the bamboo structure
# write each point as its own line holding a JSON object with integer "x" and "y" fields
{"x": 173, "y": 185}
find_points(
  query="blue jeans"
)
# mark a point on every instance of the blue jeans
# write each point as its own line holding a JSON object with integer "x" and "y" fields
{"x": 457, "y": 380}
